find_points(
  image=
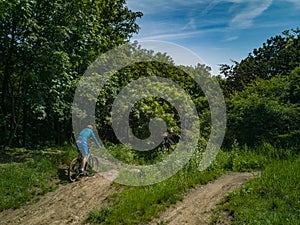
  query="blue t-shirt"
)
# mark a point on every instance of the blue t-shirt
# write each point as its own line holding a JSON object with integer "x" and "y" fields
{"x": 85, "y": 134}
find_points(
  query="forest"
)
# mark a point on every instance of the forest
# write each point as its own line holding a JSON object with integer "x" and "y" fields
{"x": 44, "y": 56}
{"x": 47, "y": 46}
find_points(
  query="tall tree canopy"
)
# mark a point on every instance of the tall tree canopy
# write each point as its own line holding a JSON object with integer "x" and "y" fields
{"x": 278, "y": 55}
{"x": 148, "y": 65}
{"x": 265, "y": 112}
{"x": 45, "y": 46}
{"x": 263, "y": 93}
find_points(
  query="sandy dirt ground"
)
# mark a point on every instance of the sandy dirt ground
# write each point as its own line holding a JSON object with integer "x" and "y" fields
{"x": 196, "y": 207}
{"x": 71, "y": 203}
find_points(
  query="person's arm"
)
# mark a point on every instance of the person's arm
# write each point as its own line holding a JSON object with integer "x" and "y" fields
{"x": 95, "y": 139}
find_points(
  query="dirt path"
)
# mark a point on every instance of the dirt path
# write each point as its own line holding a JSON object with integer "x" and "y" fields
{"x": 196, "y": 207}
{"x": 69, "y": 204}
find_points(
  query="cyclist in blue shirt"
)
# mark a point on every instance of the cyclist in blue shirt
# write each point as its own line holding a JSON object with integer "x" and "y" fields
{"x": 82, "y": 144}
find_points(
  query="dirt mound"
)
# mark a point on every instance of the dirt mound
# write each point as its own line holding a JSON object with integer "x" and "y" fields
{"x": 196, "y": 207}
{"x": 69, "y": 204}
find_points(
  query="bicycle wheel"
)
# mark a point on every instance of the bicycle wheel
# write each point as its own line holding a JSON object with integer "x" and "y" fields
{"x": 73, "y": 171}
{"x": 92, "y": 164}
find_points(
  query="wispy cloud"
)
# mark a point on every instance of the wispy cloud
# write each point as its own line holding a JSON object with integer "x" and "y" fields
{"x": 178, "y": 35}
{"x": 220, "y": 28}
{"x": 253, "y": 10}
{"x": 191, "y": 25}
{"x": 231, "y": 38}
{"x": 242, "y": 13}
{"x": 180, "y": 19}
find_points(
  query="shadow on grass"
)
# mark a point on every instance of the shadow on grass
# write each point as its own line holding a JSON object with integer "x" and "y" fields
{"x": 21, "y": 155}
{"x": 16, "y": 156}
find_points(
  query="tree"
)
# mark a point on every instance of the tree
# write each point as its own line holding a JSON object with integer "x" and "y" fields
{"x": 278, "y": 55}
{"x": 151, "y": 107}
{"x": 45, "y": 47}
{"x": 264, "y": 112}
{"x": 112, "y": 74}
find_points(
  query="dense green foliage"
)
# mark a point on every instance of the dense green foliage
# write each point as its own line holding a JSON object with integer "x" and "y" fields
{"x": 45, "y": 48}
{"x": 151, "y": 107}
{"x": 263, "y": 94}
{"x": 265, "y": 111}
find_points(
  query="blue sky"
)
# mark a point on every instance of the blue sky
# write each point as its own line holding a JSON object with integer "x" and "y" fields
{"x": 216, "y": 30}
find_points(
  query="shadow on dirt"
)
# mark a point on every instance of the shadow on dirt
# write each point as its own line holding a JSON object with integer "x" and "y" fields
{"x": 63, "y": 175}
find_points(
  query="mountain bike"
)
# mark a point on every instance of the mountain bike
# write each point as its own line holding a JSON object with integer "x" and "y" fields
{"x": 91, "y": 167}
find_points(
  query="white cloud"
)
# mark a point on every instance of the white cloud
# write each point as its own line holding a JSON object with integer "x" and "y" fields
{"x": 253, "y": 9}
{"x": 244, "y": 12}
{"x": 202, "y": 24}
{"x": 240, "y": 16}
{"x": 175, "y": 35}
{"x": 232, "y": 38}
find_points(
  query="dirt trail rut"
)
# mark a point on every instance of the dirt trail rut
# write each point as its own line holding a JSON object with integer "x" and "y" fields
{"x": 70, "y": 203}
{"x": 196, "y": 207}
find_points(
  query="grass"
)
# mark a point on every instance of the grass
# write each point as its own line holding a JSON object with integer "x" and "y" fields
{"x": 272, "y": 198}
{"x": 20, "y": 182}
{"x": 27, "y": 174}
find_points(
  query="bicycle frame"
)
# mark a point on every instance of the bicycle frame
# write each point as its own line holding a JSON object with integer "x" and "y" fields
{"x": 91, "y": 166}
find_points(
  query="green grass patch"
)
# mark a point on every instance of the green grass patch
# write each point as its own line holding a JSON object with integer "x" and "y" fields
{"x": 272, "y": 198}
{"x": 126, "y": 154}
{"x": 27, "y": 174}
{"x": 20, "y": 182}
{"x": 245, "y": 159}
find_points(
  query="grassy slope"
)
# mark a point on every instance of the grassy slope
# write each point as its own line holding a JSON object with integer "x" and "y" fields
{"x": 25, "y": 174}
{"x": 271, "y": 199}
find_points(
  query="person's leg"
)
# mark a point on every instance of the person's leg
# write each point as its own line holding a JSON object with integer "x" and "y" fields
{"x": 169, "y": 149}
{"x": 84, "y": 154}
{"x": 83, "y": 163}
{"x": 168, "y": 146}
